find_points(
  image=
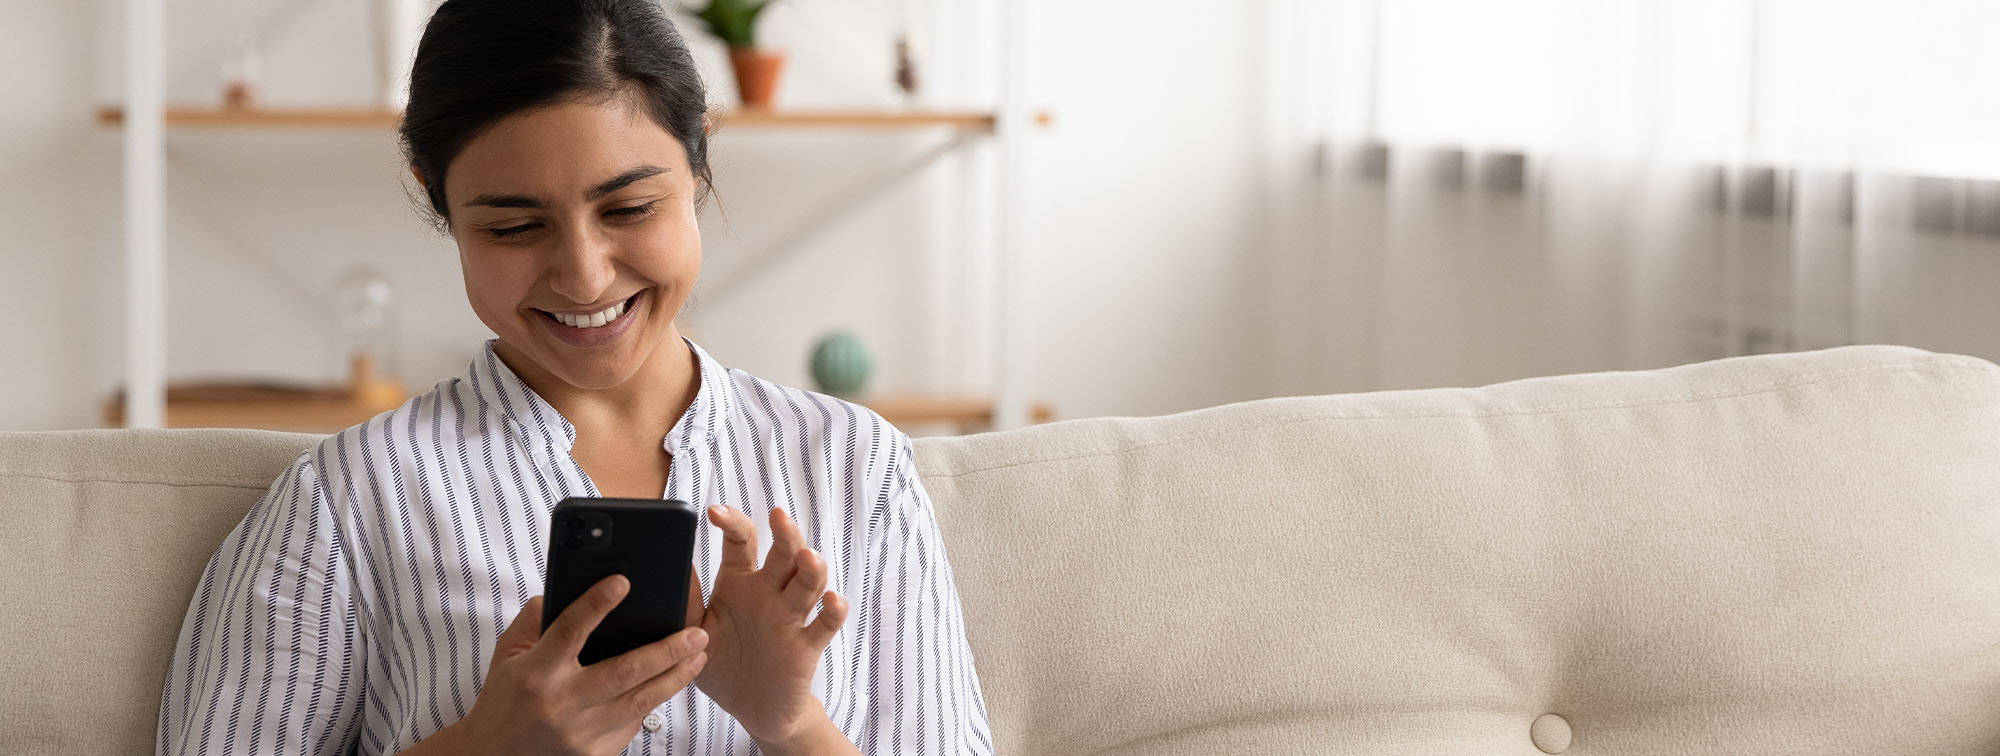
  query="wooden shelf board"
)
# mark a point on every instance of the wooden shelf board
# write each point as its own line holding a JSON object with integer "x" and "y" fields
{"x": 328, "y": 414}
{"x": 299, "y": 415}
{"x": 179, "y": 116}
{"x": 866, "y": 119}
{"x": 959, "y": 410}
{"x": 339, "y": 117}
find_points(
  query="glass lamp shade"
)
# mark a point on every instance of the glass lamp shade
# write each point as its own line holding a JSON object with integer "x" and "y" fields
{"x": 364, "y": 308}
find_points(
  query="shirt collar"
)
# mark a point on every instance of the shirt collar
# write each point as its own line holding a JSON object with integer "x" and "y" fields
{"x": 713, "y": 404}
{"x": 500, "y": 388}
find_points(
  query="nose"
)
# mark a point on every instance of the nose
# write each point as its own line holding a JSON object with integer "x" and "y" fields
{"x": 582, "y": 268}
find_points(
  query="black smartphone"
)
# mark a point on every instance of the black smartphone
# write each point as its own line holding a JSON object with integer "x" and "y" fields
{"x": 649, "y": 541}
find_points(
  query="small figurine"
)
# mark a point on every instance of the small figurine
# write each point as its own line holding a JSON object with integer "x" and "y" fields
{"x": 906, "y": 69}
{"x": 239, "y": 76}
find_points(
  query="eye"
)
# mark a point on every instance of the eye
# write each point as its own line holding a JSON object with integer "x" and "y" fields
{"x": 502, "y": 233}
{"x": 635, "y": 210}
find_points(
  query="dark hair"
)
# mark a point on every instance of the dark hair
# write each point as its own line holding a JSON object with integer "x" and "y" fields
{"x": 483, "y": 60}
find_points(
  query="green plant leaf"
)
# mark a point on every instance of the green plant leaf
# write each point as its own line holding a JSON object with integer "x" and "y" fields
{"x": 733, "y": 21}
{"x": 757, "y": 9}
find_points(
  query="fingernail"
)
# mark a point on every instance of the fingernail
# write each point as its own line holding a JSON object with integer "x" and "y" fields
{"x": 697, "y": 638}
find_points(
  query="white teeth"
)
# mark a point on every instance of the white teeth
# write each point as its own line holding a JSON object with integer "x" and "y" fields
{"x": 592, "y": 320}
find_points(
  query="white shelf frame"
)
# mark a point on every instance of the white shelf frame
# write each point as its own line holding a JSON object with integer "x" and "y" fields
{"x": 1010, "y": 355}
{"x": 145, "y": 216}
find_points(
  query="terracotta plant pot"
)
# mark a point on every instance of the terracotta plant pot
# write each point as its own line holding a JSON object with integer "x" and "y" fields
{"x": 756, "y": 75}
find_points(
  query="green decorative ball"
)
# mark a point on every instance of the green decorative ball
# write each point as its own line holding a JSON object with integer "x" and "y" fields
{"x": 840, "y": 364}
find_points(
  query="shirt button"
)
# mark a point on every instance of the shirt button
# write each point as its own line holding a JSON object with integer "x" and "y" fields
{"x": 653, "y": 722}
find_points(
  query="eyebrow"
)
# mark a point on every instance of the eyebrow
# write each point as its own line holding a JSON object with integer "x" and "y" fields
{"x": 621, "y": 181}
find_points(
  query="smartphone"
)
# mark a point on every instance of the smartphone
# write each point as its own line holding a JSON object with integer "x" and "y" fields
{"x": 649, "y": 541}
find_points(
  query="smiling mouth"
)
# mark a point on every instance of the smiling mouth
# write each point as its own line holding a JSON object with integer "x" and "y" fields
{"x": 597, "y": 319}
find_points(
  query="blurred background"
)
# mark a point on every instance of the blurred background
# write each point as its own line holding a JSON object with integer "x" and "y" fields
{"x": 1043, "y": 208}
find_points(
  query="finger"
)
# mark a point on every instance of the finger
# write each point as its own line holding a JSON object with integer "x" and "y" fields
{"x": 785, "y": 544}
{"x": 784, "y": 528}
{"x": 664, "y": 686}
{"x": 739, "y": 538}
{"x": 622, "y": 674}
{"x": 803, "y": 591}
{"x": 527, "y": 624}
{"x": 567, "y": 634}
{"x": 520, "y": 634}
{"x": 832, "y": 614}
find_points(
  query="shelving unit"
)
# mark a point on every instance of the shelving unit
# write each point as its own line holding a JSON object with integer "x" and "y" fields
{"x": 146, "y": 120}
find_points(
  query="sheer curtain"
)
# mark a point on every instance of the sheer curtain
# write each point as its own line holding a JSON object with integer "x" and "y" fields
{"x": 1503, "y": 189}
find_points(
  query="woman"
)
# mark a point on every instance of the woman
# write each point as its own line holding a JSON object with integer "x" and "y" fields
{"x": 381, "y": 596}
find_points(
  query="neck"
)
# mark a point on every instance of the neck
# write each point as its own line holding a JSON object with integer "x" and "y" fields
{"x": 647, "y": 404}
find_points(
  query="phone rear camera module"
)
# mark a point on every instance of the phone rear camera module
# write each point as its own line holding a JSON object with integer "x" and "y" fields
{"x": 573, "y": 522}
{"x": 573, "y": 541}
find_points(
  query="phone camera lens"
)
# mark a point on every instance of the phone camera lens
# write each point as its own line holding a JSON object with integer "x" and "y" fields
{"x": 573, "y": 540}
{"x": 575, "y": 522}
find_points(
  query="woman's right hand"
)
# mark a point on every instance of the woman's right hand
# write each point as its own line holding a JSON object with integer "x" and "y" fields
{"x": 538, "y": 700}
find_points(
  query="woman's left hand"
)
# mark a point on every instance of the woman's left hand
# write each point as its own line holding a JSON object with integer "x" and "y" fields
{"x": 761, "y": 652}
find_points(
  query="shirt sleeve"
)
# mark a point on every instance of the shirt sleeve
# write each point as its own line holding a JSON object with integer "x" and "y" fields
{"x": 919, "y": 650}
{"x": 265, "y": 663}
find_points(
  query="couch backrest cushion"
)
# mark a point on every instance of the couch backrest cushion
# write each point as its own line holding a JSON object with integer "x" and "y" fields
{"x": 106, "y": 533}
{"x": 1793, "y": 554}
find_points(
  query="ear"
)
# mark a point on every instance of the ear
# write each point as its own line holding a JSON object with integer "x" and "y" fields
{"x": 419, "y": 177}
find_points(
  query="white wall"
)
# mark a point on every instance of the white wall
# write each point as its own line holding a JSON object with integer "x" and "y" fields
{"x": 1148, "y": 197}
{"x": 61, "y": 209}
{"x": 1143, "y": 195}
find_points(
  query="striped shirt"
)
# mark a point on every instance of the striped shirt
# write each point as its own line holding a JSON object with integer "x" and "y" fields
{"x": 356, "y": 606}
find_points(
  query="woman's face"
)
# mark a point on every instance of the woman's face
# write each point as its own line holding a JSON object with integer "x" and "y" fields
{"x": 576, "y": 231}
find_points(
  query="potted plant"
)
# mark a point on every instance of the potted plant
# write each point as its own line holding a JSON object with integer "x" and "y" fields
{"x": 735, "y": 23}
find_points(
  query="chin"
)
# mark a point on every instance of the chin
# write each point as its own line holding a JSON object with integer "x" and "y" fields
{"x": 603, "y": 367}
{"x": 596, "y": 377}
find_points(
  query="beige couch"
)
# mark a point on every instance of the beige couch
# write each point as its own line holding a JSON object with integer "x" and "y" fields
{"x": 1793, "y": 554}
